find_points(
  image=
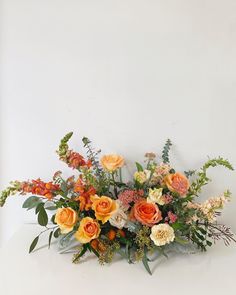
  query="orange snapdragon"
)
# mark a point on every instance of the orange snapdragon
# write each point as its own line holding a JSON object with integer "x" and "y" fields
{"x": 76, "y": 160}
{"x": 41, "y": 188}
{"x": 85, "y": 193}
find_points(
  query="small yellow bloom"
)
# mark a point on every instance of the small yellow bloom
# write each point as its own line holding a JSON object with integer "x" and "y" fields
{"x": 112, "y": 162}
{"x": 89, "y": 229}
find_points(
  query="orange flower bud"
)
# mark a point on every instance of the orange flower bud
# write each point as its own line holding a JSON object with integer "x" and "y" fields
{"x": 111, "y": 234}
{"x": 121, "y": 233}
{"x": 94, "y": 244}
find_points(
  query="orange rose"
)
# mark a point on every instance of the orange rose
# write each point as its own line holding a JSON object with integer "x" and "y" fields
{"x": 177, "y": 183}
{"x": 66, "y": 218}
{"x": 89, "y": 229}
{"x": 112, "y": 162}
{"x": 104, "y": 207}
{"x": 146, "y": 213}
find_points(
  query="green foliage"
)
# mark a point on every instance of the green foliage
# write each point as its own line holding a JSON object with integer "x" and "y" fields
{"x": 38, "y": 207}
{"x": 50, "y": 208}
{"x": 98, "y": 178}
{"x": 31, "y": 202}
{"x": 57, "y": 233}
{"x": 145, "y": 262}
{"x": 42, "y": 217}
{"x": 81, "y": 252}
{"x": 189, "y": 173}
{"x": 33, "y": 244}
{"x": 133, "y": 227}
{"x": 181, "y": 241}
{"x": 202, "y": 178}
{"x": 93, "y": 156}
{"x": 165, "y": 151}
{"x": 50, "y": 239}
{"x": 139, "y": 167}
{"x": 91, "y": 249}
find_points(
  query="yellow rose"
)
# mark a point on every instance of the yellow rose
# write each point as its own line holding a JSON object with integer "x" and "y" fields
{"x": 112, "y": 162}
{"x": 104, "y": 207}
{"x": 88, "y": 230}
{"x": 66, "y": 218}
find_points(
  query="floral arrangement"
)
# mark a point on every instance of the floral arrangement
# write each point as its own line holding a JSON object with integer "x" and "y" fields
{"x": 97, "y": 212}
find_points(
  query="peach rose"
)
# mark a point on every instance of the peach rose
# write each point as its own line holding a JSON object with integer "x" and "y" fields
{"x": 104, "y": 207}
{"x": 112, "y": 162}
{"x": 66, "y": 218}
{"x": 146, "y": 213}
{"x": 177, "y": 183}
{"x": 88, "y": 230}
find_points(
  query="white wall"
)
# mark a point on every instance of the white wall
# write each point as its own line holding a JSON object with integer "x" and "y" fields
{"x": 128, "y": 74}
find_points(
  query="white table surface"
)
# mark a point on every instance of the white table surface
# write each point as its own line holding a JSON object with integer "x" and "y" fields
{"x": 48, "y": 272}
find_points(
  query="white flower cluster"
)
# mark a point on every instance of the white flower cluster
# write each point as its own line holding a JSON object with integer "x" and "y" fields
{"x": 209, "y": 207}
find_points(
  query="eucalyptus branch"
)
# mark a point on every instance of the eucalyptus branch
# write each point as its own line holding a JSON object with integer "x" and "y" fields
{"x": 166, "y": 150}
{"x": 92, "y": 155}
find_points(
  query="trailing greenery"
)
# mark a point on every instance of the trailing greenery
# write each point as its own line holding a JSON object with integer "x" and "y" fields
{"x": 202, "y": 178}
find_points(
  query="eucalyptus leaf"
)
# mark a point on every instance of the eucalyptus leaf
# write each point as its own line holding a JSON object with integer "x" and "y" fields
{"x": 53, "y": 219}
{"x": 38, "y": 207}
{"x": 122, "y": 253}
{"x": 51, "y": 208}
{"x": 66, "y": 240}
{"x": 128, "y": 253}
{"x": 145, "y": 263}
{"x": 57, "y": 233}
{"x": 139, "y": 167}
{"x": 181, "y": 241}
{"x": 94, "y": 251}
{"x": 132, "y": 226}
{"x": 161, "y": 251}
{"x": 31, "y": 202}
{"x": 33, "y": 244}
{"x": 50, "y": 239}
{"x": 42, "y": 217}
